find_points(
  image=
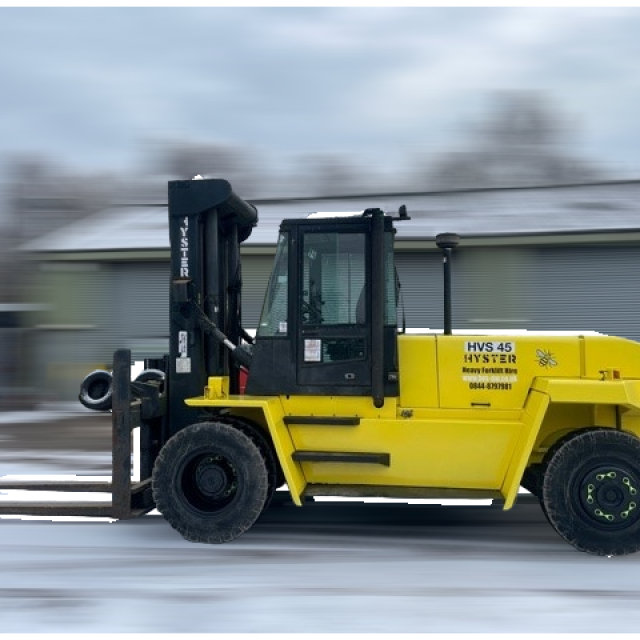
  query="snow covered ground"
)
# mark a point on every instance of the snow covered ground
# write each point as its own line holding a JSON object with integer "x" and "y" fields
{"x": 45, "y": 413}
{"x": 327, "y": 567}
{"x": 323, "y": 568}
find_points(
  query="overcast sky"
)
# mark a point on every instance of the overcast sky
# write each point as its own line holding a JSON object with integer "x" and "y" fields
{"x": 92, "y": 88}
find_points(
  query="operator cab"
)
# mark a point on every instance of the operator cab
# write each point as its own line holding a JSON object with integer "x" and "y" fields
{"x": 328, "y": 324}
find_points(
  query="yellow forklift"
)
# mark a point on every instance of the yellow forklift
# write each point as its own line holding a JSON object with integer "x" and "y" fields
{"x": 331, "y": 398}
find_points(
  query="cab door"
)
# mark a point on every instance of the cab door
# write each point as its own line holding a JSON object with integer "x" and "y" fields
{"x": 334, "y": 337}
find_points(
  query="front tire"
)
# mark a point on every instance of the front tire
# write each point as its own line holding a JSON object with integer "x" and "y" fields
{"x": 591, "y": 492}
{"x": 210, "y": 482}
{"x": 275, "y": 477}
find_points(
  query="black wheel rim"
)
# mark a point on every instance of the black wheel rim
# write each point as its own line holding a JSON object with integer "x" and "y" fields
{"x": 209, "y": 482}
{"x": 609, "y": 497}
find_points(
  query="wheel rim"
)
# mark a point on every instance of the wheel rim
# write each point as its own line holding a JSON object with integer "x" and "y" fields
{"x": 609, "y": 496}
{"x": 209, "y": 483}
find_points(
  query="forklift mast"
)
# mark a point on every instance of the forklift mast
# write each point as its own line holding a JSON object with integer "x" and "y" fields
{"x": 207, "y": 223}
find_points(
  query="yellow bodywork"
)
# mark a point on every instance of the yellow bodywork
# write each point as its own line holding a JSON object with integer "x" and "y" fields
{"x": 472, "y": 413}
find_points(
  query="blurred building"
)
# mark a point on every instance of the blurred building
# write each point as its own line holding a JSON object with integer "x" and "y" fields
{"x": 546, "y": 258}
{"x": 17, "y": 390}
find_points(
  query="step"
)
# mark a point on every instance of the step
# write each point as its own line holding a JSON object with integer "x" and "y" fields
{"x": 343, "y": 456}
{"x": 376, "y": 492}
{"x": 322, "y": 421}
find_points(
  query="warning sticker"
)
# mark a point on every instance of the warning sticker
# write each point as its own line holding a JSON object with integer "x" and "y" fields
{"x": 312, "y": 350}
{"x": 182, "y": 343}
{"x": 183, "y": 365}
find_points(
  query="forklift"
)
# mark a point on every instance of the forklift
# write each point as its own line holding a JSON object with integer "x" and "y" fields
{"x": 332, "y": 398}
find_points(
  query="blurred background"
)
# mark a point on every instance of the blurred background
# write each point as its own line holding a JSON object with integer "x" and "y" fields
{"x": 515, "y": 128}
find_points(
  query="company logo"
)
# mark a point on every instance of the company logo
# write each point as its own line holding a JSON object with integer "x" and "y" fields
{"x": 184, "y": 248}
{"x": 545, "y": 358}
{"x": 485, "y": 352}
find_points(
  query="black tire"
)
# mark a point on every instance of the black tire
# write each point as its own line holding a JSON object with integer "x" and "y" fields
{"x": 591, "y": 492}
{"x": 538, "y": 470}
{"x": 210, "y": 482}
{"x": 150, "y": 375}
{"x": 274, "y": 472}
{"x": 96, "y": 391}
{"x": 532, "y": 479}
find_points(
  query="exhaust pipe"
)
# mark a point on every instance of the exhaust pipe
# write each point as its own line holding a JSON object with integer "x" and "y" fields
{"x": 447, "y": 242}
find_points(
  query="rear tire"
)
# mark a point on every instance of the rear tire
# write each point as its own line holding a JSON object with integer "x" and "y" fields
{"x": 210, "y": 482}
{"x": 532, "y": 479}
{"x": 591, "y": 492}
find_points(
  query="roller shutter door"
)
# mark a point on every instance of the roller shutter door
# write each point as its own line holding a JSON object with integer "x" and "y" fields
{"x": 256, "y": 270}
{"x": 139, "y": 316}
{"x": 587, "y": 288}
{"x": 421, "y": 289}
{"x": 488, "y": 288}
{"x": 560, "y": 288}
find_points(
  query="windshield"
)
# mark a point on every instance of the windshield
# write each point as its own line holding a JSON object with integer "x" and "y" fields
{"x": 273, "y": 319}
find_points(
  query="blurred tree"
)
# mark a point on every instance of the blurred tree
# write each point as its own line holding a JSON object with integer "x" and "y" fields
{"x": 338, "y": 174}
{"x": 314, "y": 174}
{"x": 524, "y": 141}
{"x": 329, "y": 174}
{"x": 44, "y": 195}
{"x": 185, "y": 160}
{"x": 41, "y": 196}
